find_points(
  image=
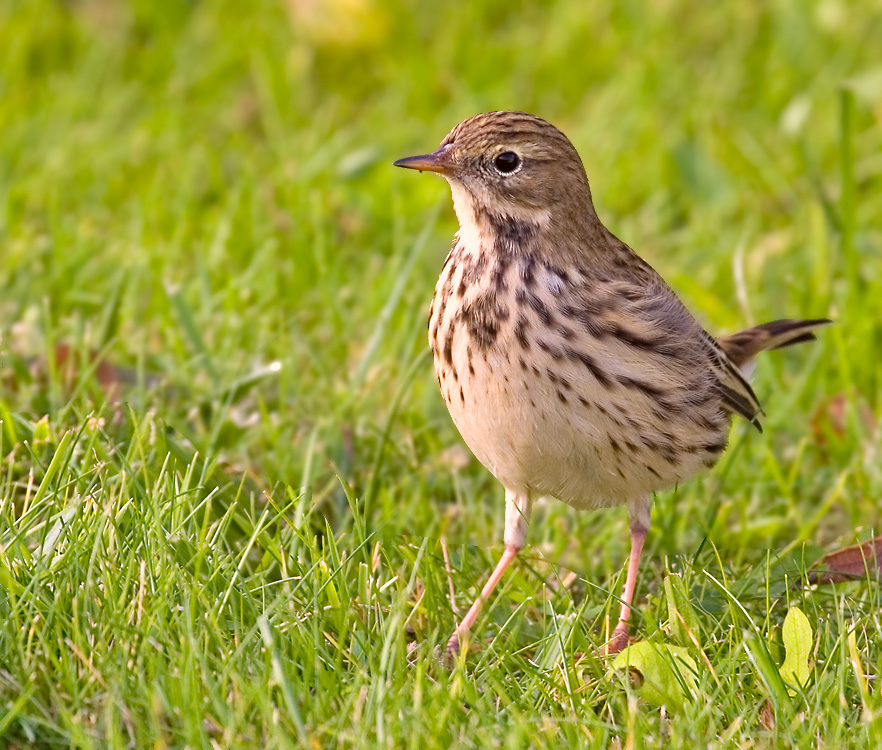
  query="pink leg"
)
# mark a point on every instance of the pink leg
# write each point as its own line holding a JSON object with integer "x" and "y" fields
{"x": 465, "y": 626}
{"x": 639, "y": 523}
{"x": 517, "y": 514}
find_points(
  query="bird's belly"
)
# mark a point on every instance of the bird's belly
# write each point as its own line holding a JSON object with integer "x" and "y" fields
{"x": 545, "y": 426}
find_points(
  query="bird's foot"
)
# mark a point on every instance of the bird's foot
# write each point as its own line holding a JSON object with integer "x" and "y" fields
{"x": 452, "y": 651}
{"x": 619, "y": 640}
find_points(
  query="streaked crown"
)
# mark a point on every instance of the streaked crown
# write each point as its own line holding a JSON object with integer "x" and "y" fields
{"x": 506, "y": 160}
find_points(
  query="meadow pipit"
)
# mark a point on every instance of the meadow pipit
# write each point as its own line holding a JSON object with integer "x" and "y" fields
{"x": 569, "y": 366}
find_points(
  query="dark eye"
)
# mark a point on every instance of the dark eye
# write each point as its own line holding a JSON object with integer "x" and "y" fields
{"x": 507, "y": 162}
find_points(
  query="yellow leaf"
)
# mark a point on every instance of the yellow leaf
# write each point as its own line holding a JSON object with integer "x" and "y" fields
{"x": 797, "y": 636}
{"x": 662, "y": 671}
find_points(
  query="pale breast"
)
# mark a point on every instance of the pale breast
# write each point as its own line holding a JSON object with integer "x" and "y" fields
{"x": 558, "y": 391}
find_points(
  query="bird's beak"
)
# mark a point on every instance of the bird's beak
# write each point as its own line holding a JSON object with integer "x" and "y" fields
{"x": 438, "y": 161}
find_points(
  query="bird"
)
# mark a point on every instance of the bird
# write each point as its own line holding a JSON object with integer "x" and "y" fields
{"x": 568, "y": 365}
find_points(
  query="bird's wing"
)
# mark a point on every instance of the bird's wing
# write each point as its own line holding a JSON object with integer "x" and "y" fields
{"x": 735, "y": 391}
{"x": 660, "y": 302}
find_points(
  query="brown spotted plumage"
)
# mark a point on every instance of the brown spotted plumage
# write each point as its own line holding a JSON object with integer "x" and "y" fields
{"x": 569, "y": 366}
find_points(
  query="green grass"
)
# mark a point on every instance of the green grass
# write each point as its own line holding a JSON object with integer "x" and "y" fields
{"x": 247, "y": 550}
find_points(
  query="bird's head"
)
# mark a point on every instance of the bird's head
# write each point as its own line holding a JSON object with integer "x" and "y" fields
{"x": 510, "y": 166}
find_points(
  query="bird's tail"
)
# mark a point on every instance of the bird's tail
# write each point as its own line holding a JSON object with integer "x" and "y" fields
{"x": 743, "y": 346}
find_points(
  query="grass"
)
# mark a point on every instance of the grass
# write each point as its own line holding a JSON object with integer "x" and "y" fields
{"x": 241, "y": 544}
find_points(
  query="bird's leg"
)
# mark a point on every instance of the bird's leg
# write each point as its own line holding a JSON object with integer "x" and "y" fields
{"x": 517, "y": 517}
{"x": 639, "y": 522}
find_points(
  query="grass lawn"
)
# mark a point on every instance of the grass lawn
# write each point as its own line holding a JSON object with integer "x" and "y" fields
{"x": 227, "y": 479}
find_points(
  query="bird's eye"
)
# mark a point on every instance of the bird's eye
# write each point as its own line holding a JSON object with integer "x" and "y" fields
{"x": 507, "y": 162}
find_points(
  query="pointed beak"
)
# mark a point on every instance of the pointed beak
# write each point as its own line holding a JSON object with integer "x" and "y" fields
{"x": 435, "y": 162}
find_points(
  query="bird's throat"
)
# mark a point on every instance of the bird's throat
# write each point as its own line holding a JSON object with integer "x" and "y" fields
{"x": 473, "y": 234}
{"x": 499, "y": 229}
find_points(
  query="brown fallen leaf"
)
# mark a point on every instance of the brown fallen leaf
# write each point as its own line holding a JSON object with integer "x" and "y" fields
{"x": 831, "y": 419}
{"x": 849, "y": 563}
{"x": 70, "y": 363}
{"x": 767, "y": 716}
{"x": 67, "y": 360}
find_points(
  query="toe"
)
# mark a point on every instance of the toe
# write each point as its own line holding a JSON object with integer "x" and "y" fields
{"x": 618, "y": 642}
{"x": 452, "y": 648}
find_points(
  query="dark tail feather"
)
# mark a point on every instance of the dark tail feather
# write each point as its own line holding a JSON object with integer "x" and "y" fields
{"x": 743, "y": 346}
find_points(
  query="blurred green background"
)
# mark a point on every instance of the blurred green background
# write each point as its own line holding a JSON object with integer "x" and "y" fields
{"x": 199, "y": 218}
{"x": 197, "y": 190}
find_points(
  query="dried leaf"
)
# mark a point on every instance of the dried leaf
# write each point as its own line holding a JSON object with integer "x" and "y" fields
{"x": 849, "y": 563}
{"x": 767, "y": 716}
{"x": 831, "y": 419}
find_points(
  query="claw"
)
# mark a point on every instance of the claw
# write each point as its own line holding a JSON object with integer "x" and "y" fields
{"x": 619, "y": 641}
{"x": 452, "y": 651}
